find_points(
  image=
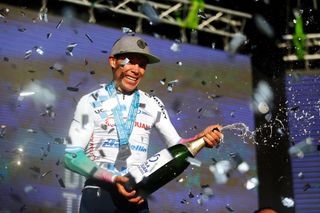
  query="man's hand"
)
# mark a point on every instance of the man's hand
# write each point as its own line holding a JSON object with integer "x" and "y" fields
{"x": 130, "y": 196}
{"x": 211, "y": 135}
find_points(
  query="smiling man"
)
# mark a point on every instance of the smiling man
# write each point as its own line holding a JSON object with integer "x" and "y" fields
{"x": 110, "y": 131}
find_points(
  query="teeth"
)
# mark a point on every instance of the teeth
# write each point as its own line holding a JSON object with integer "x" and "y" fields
{"x": 130, "y": 78}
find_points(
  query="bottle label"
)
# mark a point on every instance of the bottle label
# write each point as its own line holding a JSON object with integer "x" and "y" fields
{"x": 150, "y": 165}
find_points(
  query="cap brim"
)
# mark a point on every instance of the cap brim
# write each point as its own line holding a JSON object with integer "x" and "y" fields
{"x": 152, "y": 59}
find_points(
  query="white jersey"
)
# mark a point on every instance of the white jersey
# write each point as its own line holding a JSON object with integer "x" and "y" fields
{"x": 93, "y": 127}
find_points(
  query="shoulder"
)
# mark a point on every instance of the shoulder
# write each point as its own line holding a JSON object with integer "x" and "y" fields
{"x": 150, "y": 99}
{"x": 93, "y": 95}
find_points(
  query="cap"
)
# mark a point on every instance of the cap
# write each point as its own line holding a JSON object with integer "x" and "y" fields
{"x": 133, "y": 44}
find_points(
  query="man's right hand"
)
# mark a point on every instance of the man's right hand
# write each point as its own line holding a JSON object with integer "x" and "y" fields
{"x": 130, "y": 196}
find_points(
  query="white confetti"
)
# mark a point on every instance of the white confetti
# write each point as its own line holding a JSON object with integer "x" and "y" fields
{"x": 287, "y": 202}
{"x": 194, "y": 161}
{"x": 251, "y": 183}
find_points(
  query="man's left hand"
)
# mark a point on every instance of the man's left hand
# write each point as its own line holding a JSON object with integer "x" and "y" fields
{"x": 211, "y": 135}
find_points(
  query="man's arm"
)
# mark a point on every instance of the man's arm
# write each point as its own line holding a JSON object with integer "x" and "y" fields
{"x": 169, "y": 133}
{"x": 76, "y": 160}
{"x": 80, "y": 132}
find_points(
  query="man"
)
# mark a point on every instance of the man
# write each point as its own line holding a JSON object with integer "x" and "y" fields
{"x": 110, "y": 131}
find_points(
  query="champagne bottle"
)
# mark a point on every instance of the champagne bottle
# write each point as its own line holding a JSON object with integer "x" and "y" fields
{"x": 162, "y": 167}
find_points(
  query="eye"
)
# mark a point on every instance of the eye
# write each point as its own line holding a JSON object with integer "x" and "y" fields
{"x": 143, "y": 65}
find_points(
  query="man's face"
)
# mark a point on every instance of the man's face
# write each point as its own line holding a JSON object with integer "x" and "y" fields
{"x": 128, "y": 70}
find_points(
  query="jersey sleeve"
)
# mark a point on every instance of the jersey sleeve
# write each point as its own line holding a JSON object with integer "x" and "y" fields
{"x": 82, "y": 125}
{"x": 164, "y": 126}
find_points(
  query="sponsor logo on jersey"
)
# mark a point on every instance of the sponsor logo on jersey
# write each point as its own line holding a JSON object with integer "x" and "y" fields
{"x": 143, "y": 112}
{"x": 111, "y": 123}
{"x": 138, "y": 148}
{"x": 98, "y": 111}
{"x": 113, "y": 143}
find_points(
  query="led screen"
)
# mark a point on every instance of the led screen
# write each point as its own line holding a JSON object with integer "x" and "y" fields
{"x": 63, "y": 59}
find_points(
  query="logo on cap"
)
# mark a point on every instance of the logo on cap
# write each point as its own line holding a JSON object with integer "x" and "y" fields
{"x": 142, "y": 44}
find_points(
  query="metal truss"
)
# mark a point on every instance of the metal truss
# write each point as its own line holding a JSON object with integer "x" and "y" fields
{"x": 312, "y": 48}
{"x": 216, "y": 20}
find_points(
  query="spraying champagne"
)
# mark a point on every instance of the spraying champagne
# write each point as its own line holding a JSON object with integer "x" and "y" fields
{"x": 162, "y": 167}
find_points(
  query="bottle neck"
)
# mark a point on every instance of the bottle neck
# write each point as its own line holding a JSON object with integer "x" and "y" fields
{"x": 195, "y": 146}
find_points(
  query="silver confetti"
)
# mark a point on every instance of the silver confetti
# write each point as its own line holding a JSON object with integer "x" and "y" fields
{"x": 2, "y": 131}
{"x": 175, "y": 47}
{"x": 251, "y": 183}
{"x": 4, "y": 12}
{"x": 39, "y": 50}
{"x": 302, "y": 148}
{"x": 194, "y": 161}
{"x": 27, "y": 54}
{"x": 263, "y": 25}
{"x": 70, "y": 48}
{"x": 59, "y": 24}
{"x": 220, "y": 171}
{"x": 237, "y": 40}
{"x": 287, "y": 202}
{"x": 124, "y": 62}
{"x": 150, "y": 12}
{"x": 126, "y": 30}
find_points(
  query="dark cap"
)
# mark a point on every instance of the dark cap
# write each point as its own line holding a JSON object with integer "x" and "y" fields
{"x": 133, "y": 44}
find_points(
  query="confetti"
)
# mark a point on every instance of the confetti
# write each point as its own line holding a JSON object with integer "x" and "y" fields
{"x": 22, "y": 29}
{"x": 70, "y": 48}
{"x": 150, "y": 12}
{"x": 43, "y": 14}
{"x": 58, "y": 162}
{"x": 171, "y": 84}
{"x": 57, "y": 67}
{"x": 301, "y": 148}
{"x": 49, "y": 112}
{"x": 73, "y": 89}
{"x": 99, "y": 192}
{"x": 126, "y": 30}
{"x": 163, "y": 81}
{"x": 49, "y": 35}
{"x": 46, "y": 173}
{"x": 48, "y": 147}
{"x": 287, "y": 202}
{"x": 31, "y": 131}
{"x": 230, "y": 209}
{"x": 88, "y": 37}
{"x": 27, "y": 54}
{"x": 241, "y": 165}
{"x": 61, "y": 183}
{"x": 59, "y": 140}
{"x": 251, "y": 183}
{"x": 194, "y": 161}
{"x": 39, "y": 50}
{"x": 102, "y": 153}
{"x": 300, "y": 175}
{"x": 220, "y": 171}
{"x": 175, "y": 47}
{"x": 35, "y": 169}
{"x": 59, "y": 24}
{"x": 179, "y": 63}
{"x": 24, "y": 94}
{"x": 263, "y": 26}
{"x": 201, "y": 14}
{"x": 6, "y": 59}
{"x": 191, "y": 195}
{"x": 237, "y": 40}
{"x": 306, "y": 187}
{"x": 124, "y": 62}
{"x": 4, "y": 12}
{"x": 29, "y": 188}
